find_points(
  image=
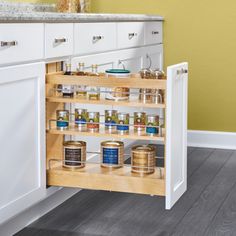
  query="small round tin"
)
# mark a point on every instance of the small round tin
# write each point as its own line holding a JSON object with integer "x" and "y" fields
{"x": 139, "y": 121}
{"x": 93, "y": 119}
{"x": 74, "y": 154}
{"x": 152, "y": 120}
{"x": 123, "y": 123}
{"x": 80, "y": 118}
{"x": 110, "y": 119}
{"x": 143, "y": 159}
{"x": 62, "y": 119}
{"x": 112, "y": 154}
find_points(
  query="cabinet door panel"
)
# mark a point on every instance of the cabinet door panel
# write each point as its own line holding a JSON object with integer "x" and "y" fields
{"x": 176, "y": 133}
{"x": 22, "y": 154}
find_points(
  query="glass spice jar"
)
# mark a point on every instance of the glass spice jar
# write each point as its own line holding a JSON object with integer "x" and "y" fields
{"x": 70, "y": 6}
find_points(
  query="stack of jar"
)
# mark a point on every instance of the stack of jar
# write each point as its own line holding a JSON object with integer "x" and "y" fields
{"x": 152, "y": 95}
{"x": 112, "y": 156}
{"x": 114, "y": 121}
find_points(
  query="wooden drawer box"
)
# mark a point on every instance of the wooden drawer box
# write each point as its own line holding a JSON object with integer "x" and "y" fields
{"x": 94, "y": 37}
{"x": 153, "y": 33}
{"x": 20, "y": 42}
{"x": 130, "y": 34}
{"x": 58, "y": 40}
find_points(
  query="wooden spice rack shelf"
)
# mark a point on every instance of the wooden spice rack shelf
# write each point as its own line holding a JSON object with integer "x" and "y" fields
{"x": 95, "y": 177}
{"x": 105, "y": 102}
{"x": 103, "y": 133}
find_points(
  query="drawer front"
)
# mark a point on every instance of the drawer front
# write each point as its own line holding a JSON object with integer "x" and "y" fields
{"x": 94, "y": 37}
{"x": 58, "y": 40}
{"x": 20, "y": 42}
{"x": 130, "y": 34}
{"x": 153, "y": 33}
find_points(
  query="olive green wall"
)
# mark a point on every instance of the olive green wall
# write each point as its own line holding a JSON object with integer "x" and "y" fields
{"x": 202, "y": 33}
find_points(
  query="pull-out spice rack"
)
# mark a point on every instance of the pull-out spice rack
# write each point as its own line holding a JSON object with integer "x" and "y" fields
{"x": 169, "y": 182}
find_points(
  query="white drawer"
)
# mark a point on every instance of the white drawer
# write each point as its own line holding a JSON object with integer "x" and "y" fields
{"x": 130, "y": 34}
{"x": 58, "y": 40}
{"x": 20, "y": 42}
{"x": 94, "y": 37}
{"x": 153, "y": 33}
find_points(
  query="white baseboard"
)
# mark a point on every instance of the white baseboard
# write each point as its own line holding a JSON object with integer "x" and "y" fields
{"x": 212, "y": 139}
{"x": 55, "y": 197}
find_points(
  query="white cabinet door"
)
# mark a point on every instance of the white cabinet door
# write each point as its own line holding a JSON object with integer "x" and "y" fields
{"x": 176, "y": 133}
{"x": 22, "y": 137}
{"x": 153, "y": 56}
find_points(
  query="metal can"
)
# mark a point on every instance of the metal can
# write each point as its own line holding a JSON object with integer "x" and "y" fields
{"x": 152, "y": 120}
{"x": 74, "y": 154}
{"x": 143, "y": 159}
{"x": 139, "y": 121}
{"x": 62, "y": 119}
{"x": 112, "y": 154}
{"x": 80, "y": 118}
{"x": 110, "y": 119}
{"x": 93, "y": 119}
{"x": 123, "y": 122}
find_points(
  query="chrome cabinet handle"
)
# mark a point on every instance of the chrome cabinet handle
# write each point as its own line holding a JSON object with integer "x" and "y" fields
{"x": 97, "y": 38}
{"x": 182, "y": 71}
{"x": 155, "y": 32}
{"x": 131, "y": 35}
{"x": 60, "y": 40}
{"x": 8, "y": 44}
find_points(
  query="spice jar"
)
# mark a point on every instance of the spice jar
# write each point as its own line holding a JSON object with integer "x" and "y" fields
{"x": 81, "y": 89}
{"x": 71, "y": 6}
{"x": 94, "y": 92}
{"x": 139, "y": 121}
{"x": 93, "y": 119}
{"x": 122, "y": 123}
{"x": 110, "y": 119}
{"x": 74, "y": 154}
{"x": 145, "y": 94}
{"x": 143, "y": 159}
{"x": 80, "y": 118}
{"x": 158, "y": 95}
{"x": 112, "y": 154}
{"x": 62, "y": 119}
{"x": 119, "y": 93}
{"x": 152, "y": 123}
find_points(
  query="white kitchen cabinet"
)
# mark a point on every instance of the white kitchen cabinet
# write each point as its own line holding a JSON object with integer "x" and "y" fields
{"x": 22, "y": 138}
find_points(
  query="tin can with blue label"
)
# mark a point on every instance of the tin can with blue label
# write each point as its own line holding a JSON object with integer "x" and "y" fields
{"x": 80, "y": 118}
{"x": 110, "y": 119}
{"x": 112, "y": 154}
{"x": 152, "y": 123}
{"x": 123, "y": 123}
{"x": 62, "y": 119}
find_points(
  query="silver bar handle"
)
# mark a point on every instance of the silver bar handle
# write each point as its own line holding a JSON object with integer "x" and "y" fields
{"x": 8, "y": 44}
{"x": 182, "y": 71}
{"x": 155, "y": 32}
{"x": 60, "y": 40}
{"x": 131, "y": 35}
{"x": 97, "y": 38}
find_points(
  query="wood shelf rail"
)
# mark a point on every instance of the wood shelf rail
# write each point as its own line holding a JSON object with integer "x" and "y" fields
{"x": 92, "y": 176}
{"x": 135, "y": 81}
{"x": 103, "y": 133}
{"x": 104, "y": 102}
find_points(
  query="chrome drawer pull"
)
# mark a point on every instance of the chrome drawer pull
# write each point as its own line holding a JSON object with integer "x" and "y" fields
{"x": 155, "y": 32}
{"x": 97, "y": 38}
{"x": 182, "y": 71}
{"x": 8, "y": 44}
{"x": 60, "y": 40}
{"x": 131, "y": 35}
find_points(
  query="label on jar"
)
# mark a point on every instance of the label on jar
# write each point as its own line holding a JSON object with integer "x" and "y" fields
{"x": 80, "y": 119}
{"x": 152, "y": 130}
{"x": 110, "y": 156}
{"x": 72, "y": 155}
{"x": 62, "y": 121}
{"x": 122, "y": 126}
{"x": 91, "y": 125}
{"x": 110, "y": 121}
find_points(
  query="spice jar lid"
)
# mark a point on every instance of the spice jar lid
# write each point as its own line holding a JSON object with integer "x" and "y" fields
{"x": 112, "y": 143}
{"x": 75, "y": 143}
{"x": 143, "y": 148}
{"x": 117, "y": 71}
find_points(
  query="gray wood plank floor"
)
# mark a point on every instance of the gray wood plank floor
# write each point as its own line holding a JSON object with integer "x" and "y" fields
{"x": 207, "y": 208}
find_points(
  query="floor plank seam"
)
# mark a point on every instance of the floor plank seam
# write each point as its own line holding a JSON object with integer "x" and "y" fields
{"x": 172, "y": 233}
{"x": 219, "y": 208}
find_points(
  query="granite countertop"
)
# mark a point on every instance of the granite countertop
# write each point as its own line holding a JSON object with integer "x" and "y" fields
{"x": 15, "y": 12}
